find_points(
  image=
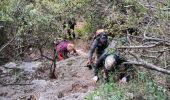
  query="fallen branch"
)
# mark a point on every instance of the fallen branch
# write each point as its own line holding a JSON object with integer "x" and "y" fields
{"x": 165, "y": 9}
{"x": 21, "y": 84}
{"x": 160, "y": 51}
{"x": 146, "y": 38}
{"x": 139, "y": 37}
{"x": 154, "y": 57}
{"x": 147, "y": 65}
{"x": 140, "y": 46}
{"x": 128, "y": 6}
{"x": 153, "y": 39}
{"x": 144, "y": 46}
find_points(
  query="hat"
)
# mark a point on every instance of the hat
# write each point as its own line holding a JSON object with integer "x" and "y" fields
{"x": 99, "y": 31}
{"x": 70, "y": 47}
{"x": 109, "y": 62}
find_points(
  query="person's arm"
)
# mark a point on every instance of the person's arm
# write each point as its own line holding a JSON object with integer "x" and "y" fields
{"x": 75, "y": 52}
{"x": 92, "y": 49}
{"x": 59, "y": 56}
{"x": 99, "y": 61}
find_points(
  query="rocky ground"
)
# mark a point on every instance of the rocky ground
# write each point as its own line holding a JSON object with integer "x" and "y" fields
{"x": 27, "y": 79}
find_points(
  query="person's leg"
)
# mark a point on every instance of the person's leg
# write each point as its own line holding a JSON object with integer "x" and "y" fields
{"x": 69, "y": 34}
{"x": 65, "y": 34}
{"x": 105, "y": 74}
{"x": 98, "y": 55}
{"x": 73, "y": 34}
{"x": 100, "y": 59}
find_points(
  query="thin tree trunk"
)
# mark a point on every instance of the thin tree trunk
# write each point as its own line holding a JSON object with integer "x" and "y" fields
{"x": 3, "y": 35}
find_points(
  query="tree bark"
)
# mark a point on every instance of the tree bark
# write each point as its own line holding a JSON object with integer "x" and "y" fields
{"x": 3, "y": 41}
{"x": 3, "y": 35}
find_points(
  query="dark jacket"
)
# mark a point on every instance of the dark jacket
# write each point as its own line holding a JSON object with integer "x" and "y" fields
{"x": 98, "y": 46}
{"x": 119, "y": 60}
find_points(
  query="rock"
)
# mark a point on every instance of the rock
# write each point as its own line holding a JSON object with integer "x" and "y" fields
{"x": 75, "y": 96}
{"x": 26, "y": 66}
{"x": 60, "y": 95}
{"x": 67, "y": 87}
{"x": 30, "y": 66}
{"x": 41, "y": 83}
{"x": 11, "y": 65}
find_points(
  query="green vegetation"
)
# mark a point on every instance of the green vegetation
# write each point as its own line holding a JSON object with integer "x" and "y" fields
{"x": 140, "y": 88}
{"x": 36, "y": 22}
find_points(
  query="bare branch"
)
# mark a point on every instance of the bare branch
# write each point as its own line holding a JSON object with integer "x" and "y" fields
{"x": 159, "y": 51}
{"x": 42, "y": 55}
{"x": 139, "y": 47}
{"x": 149, "y": 38}
{"x": 147, "y": 65}
{"x": 4, "y": 46}
{"x": 154, "y": 57}
{"x": 21, "y": 84}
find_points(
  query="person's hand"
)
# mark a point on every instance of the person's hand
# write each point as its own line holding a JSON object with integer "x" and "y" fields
{"x": 75, "y": 54}
{"x": 55, "y": 42}
{"x": 95, "y": 79}
{"x": 89, "y": 62}
{"x": 123, "y": 81}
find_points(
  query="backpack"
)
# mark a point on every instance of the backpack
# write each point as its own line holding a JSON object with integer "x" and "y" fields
{"x": 60, "y": 41}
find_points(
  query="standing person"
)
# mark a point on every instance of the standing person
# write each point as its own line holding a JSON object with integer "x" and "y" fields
{"x": 100, "y": 42}
{"x": 63, "y": 48}
{"x": 69, "y": 28}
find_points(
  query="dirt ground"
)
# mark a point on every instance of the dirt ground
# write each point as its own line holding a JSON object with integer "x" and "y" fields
{"x": 73, "y": 83}
{"x": 30, "y": 80}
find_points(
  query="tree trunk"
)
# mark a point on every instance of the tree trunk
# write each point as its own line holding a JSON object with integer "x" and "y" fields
{"x": 3, "y": 41}
{"x": 3, "y": 35}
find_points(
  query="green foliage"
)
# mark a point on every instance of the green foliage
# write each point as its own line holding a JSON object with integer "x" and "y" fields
{"x": 141, "y": 87}
{"x": 84, "y": 30}
{"x": 161, "y": 11}
{"x": 135, "y": 7}
{"x": 108, "y": 91}
{"x": 43, "y": 17}
{"x": 4, "y": 5}
{"x": 16, "y": 75}
{"x": 119, "y": 21}
{"x": 39, "y": 20}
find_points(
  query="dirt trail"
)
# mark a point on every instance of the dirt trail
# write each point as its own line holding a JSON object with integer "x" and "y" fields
{"x": 73, "y": 83}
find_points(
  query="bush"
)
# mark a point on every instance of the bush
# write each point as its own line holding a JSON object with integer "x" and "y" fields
{"x": 141, "y": 87}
